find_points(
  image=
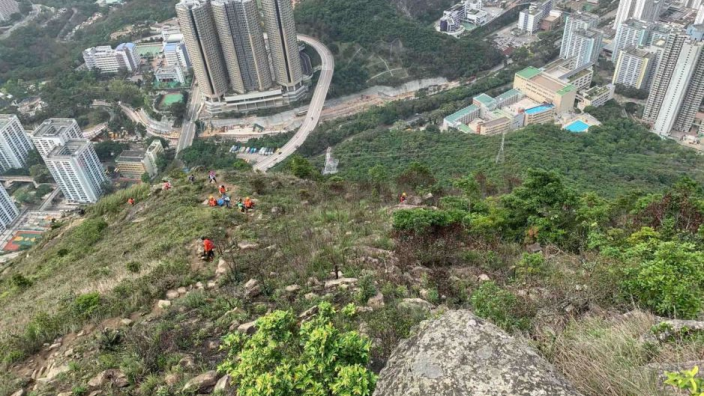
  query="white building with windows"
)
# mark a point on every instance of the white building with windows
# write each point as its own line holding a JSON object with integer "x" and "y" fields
{"x": 634, "y": 68}
{"x": 8, "y": 209}
{"x": 108, "y": 60}
{"x": 77, "y": 170}
{"x": 581, "y": 39}
{"x": 55, "y": 132}
{"x": 14, "y": 143}
{"x": 170, "y": 74}
{"x": 176, "y": 54}
{"x": 529, "y": 19}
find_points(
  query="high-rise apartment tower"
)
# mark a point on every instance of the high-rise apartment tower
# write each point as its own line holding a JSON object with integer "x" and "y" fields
{"x": 283, "y": 42}
{"x": 14, "y": 143}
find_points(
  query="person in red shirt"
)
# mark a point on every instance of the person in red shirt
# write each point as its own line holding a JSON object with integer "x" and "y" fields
{"x": 222, "y": 189}
{"x": 131, "y": 201}
{"x": 208, "y": 246}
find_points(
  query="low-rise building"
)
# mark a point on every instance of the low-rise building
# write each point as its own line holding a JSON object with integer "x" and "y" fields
{"x": 133, "y": 164}
{"x": 461, "y": 117}
{"x": 566, "y": 71}
{"x": 176, "y": 55}
{"x": 596, "y": 96}
{"x": 542, "y": 114}
{"x": 544, "y": 88}
{"x": 477, "y": 17}
{"x": 108, "y": 60}
{"x": 169, "y": 74}
{"x": 154, "y": 150}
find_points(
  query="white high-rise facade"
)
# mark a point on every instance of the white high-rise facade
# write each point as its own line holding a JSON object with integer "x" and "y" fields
{"x": 283, "y": 42}
{"x": 644, "y": 10}
{"x": 7, "y": 8}
{"x": 631, "y": 33}
{"x": 678, "y": 86}
{"x": 55, "y": 132}
{"x": 77, "y": 170}
{"x": 634, "y": 68}
{"x": 14, "y": 143}
{"x": 8, "y": 209}
{"x": 529, "y": 19}
{"x": 581, "y": 39}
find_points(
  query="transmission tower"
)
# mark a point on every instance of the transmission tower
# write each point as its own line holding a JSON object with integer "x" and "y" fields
{"x": 330, "y": 163}
{"x": 500, "y": 156}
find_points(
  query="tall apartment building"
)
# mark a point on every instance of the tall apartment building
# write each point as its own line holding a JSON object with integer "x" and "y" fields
{"x": 631, "y": 33}
{"x": 678, "y": 86}
{"x": 77, "y": 170}
{"x": 14, "y": 143}
{"x": 283, "y": 42}
{"x": 634, "y": 68}
{"x": 55, "y": 132}
{"x": 644, "y": 10}
{"x": 529, "y": 19}
{"x": 243, "y": 45}
{"x": 8, "y": 209}
{"x": 581, "y": 39}
{"x": 7, "y": 8}
{"x": 203, "y": 45}
{"x": 108, "y": 60}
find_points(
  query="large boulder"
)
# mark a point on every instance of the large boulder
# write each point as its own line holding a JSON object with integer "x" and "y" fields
{"x": 461, "y": 354}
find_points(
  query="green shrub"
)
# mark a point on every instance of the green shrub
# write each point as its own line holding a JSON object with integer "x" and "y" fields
{"x": 530, "y": 264}
{"x": 328, "y": 360}
{"x": 499, "y": 306}
{"x": 133, "y": 266}
{"x": 425, "y": 220}
{"x": 85, "y": 304}
{"x": 367, "y": 289}
{"x": 687, "y": 380}
{"x": 117, "y": 201}
{"x": 20, "y": 281}
{"x": 670, "y": 281}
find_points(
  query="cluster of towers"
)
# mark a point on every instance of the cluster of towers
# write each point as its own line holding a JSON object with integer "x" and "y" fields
{"x": 228, "y": 50}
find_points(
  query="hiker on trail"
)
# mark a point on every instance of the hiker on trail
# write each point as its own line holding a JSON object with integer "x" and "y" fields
{"x": 240, "y": 205}
{"x": 167, "y": 185}
{"x": 403, "y": 198}
{"x": 131, "y": 201}
{"x": 227, "y": 200}
{"x": 222, "y": 189}
{"x": 248, "y": 204}
{"x": 191, "y": 178}
{"x": 211, "y": 202}
{"x": 208, "y": 246}
{"x": 212, "y": 178}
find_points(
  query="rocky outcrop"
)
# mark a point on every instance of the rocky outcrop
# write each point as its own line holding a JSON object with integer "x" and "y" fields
{"x": 202, "y": 383}
{"x": 461, "y": 354}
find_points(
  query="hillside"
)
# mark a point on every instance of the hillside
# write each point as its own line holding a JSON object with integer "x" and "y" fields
{"x": 122, "y": 288}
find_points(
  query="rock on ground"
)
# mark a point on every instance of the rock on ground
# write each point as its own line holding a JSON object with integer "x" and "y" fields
{"x": 201, "y": 383}
{"x": 461, "y": 354}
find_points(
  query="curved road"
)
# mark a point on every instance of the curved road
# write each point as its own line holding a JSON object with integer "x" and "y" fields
{"x": 316, "y": 106}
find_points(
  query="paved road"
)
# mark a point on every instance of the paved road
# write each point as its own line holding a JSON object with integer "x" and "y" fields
{"x": 188, "y": 129}
{"x": 316, "y": 106}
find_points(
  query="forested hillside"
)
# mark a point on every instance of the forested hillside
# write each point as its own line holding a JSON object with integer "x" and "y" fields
{"x": 613, "y": 159}
{"x": 371, "y": 37}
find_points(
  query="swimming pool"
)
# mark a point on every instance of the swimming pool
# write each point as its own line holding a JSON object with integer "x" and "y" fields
{"x": 578, "y": 126}
{"x": 539, "y": 109}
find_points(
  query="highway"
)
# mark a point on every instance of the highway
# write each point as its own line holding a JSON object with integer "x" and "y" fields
{"x": 188, "y": 129}
{"x": 314, "y": 110}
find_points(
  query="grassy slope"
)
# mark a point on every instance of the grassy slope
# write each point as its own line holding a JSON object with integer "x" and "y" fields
{"x": 611, "y": 161}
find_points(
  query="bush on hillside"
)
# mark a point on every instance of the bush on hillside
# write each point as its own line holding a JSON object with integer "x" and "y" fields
{"x": 284, "y": 358}
{"x": 500, "y": 306}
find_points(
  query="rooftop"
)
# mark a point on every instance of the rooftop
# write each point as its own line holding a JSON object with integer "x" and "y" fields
{"x": 6, "y": 118}
{"x": 511, "y": 92}
{"x": 131, "y": 156}
{"x": 595, "y": 91}
{"x": 528, "y": 73}
{"x": 156, "y": 145}
{"x": 69, "y": 149}
{"x": 53, "y": 127}
{"x": 485, "y": 99}
{"x": 461, "y": 113}
{"x": 547, "y": 82}
{"x": 566, "y": 89}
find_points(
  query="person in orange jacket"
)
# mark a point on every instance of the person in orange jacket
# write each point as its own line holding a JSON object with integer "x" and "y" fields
{"x": 212, "y": 202}
{"x": 131, "y": 201}
{"x": 248, "y": 204}
{"x": 222, "y": 189}
{"x": 208, "y": 246}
